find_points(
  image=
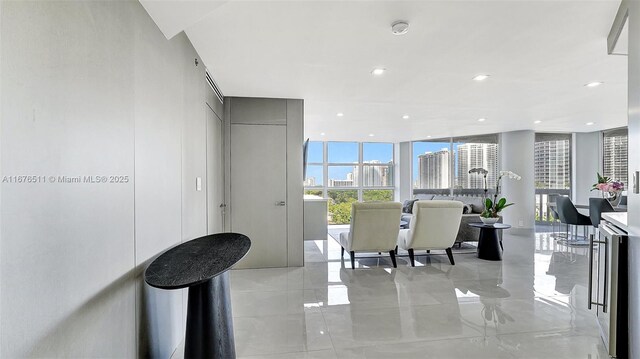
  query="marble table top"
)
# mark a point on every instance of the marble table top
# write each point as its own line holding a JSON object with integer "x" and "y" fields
{"x": 196, "y": 261}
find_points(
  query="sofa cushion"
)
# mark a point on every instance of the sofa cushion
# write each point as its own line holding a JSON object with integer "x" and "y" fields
{"x": 442, "y": 198}
{"x": 423, "y": 196}
{"x": 407, "y": 206}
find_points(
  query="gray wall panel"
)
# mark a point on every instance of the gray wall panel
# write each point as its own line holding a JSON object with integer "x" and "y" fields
{"x": 67, "y": 249}
{"x": 295, "y": 188}
{"x": 93, "y": 88}
{"x": 158, "y": 186}
{"x": 634, "y": 165}
{"x": 258, "y": 111}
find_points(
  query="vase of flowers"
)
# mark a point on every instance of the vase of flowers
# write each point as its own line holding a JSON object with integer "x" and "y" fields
{"x": 493, "y": 208}
{"x": 611, "y": 190}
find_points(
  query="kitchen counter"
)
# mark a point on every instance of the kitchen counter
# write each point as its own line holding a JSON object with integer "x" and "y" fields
{"x": 617, "y": 218}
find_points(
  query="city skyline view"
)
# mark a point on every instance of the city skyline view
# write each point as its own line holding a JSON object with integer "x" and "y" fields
{"x": 343, "y": 168}
{"x": 433, "y": 161}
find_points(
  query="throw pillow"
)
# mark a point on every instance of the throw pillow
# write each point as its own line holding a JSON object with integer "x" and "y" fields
{"x": 407, "y": 206}
{"x": 477, "y": 204}
{"x": 466, "y": 209}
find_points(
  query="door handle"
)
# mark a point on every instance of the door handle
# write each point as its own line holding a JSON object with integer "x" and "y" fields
{"x": 590, "y": 286}
{"x": 606, "y": 274}
{"x": 281, "y": 203}
{"x": 222, "y": 205}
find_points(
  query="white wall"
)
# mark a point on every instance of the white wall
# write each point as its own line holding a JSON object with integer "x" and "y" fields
{"x": 587, "y": 160}
{"x": 634, "y": 165}
{"x": 516, "y": 154}
{"x": 93, "y": 88}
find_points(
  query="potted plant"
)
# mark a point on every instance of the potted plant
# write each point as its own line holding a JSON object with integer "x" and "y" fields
{"x": 492, "y": 208}
{"x": 611, "y": 190}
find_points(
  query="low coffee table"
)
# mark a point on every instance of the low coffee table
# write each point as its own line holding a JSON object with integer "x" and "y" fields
{"x": 489, "y": 246}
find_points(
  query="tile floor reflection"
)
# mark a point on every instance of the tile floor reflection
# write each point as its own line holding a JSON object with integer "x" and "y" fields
{"x": 531, "y": 305}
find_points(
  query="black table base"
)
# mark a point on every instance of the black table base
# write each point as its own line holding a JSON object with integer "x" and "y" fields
{"x": 489, "y": 244}
{"x": 209, "y": 323}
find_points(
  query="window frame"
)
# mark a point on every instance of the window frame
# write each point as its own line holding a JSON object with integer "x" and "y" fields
{"x": 453, "y": 158}
{"x": 359, "y": 186}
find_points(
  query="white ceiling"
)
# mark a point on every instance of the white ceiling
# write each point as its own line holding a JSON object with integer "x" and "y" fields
{"x": 540, "y": 54}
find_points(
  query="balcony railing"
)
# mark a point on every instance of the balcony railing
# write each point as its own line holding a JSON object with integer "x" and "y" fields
{"x": 543, "y": 215}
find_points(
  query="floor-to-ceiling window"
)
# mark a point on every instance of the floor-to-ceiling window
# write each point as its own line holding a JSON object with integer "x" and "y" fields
{"x": 552, "y": 170}
{"x": 445, "y": 163}
{"x": 347, "y": 172}
{"x": 615, "y": 156}
{"x": 431, "y": 164}
{"x": 475, "y": 152}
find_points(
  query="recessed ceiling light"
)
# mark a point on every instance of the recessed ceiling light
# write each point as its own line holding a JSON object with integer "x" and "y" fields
{"x": 482, "y": 119}
{"x": 321, "y": 133}
{"x": 537, "y": 122}
{"x": 378, "y": 71}
{"x": 590, "y": 123}
{"x": 480, "y": 77}
{"x": 371, "y": 135}
{"x": 428, "y": 136}
{"x": 406, "y": 117}
{"x": 594, "y": 84}
{"x": 339, "y": 114}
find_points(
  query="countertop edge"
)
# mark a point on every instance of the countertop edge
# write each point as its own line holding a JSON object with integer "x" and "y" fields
{"x": 617, "y": 218}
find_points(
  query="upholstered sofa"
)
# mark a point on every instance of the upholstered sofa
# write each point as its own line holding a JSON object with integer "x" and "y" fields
{"x": 472, "y": 209}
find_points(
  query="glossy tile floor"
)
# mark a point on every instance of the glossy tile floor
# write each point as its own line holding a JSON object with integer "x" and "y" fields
{"x": 530, "y": 305}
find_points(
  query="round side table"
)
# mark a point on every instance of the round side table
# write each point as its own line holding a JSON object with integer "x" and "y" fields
{"x": 489, "y": 246}
{"x": 201, "y": 265}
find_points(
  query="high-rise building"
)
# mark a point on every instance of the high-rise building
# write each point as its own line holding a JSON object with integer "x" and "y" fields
{"x": 552, "y": 163}
{"x": 375, "y": 174}
{"x": 343, "y": 182}
{"x": 476, "y": 155}
{"x": 615, "y": 158}
{"x": 310, "y": 182}
{"x": 433, "y": 168}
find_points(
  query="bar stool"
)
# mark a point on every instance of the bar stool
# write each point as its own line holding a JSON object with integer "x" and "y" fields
{"x": 598, "y": 206}
{"x": 551, "y": 207}
{"x": 569, "y": 215}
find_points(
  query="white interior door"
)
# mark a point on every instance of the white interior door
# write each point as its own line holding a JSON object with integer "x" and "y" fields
{"x": 259, "y": 191}
{"x": 215, "y": 174}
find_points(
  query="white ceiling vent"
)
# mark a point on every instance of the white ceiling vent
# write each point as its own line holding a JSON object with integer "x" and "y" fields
{"x": 214, "y": 87}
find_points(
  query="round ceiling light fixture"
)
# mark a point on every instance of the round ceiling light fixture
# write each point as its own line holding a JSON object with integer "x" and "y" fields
{"x": 400, "y": 27}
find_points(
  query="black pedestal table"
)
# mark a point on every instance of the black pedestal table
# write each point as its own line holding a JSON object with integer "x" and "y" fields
{"x": 489, "y": 246}
{"x": 201, "y": 265}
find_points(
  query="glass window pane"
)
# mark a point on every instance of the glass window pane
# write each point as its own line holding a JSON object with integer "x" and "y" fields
{"x": 377, "y": 195}
{"x": 470, "y": 155}
{"x": 552, "y": 163}
{"x": 314, "y": 176}
{"x": 431, "y": 165}
{"x": 377, "y": 176}
{"x": 340, "y": 205}
{"x": 342, "y": 152}
{"x": 377, "y": 152}
{"x": 314, "y": 152}
{"x": 343, "y": 176}
{"x": 615, "y": 156}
